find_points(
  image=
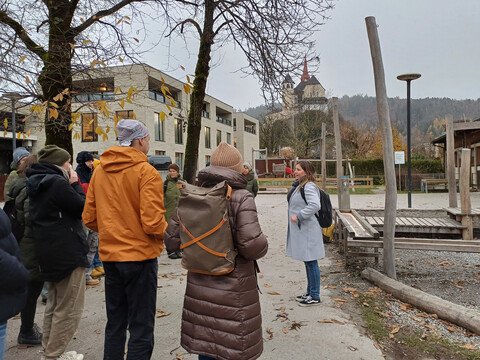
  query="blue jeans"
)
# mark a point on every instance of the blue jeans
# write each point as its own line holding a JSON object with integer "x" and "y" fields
{"x": 313, "y": 279}
{"x": 96, "y": 261}
{"x": 205, "y": 357}
{"x": 3, "y": 335}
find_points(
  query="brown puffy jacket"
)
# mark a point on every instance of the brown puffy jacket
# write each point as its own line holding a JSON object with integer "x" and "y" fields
{"x": 221, "y": 314}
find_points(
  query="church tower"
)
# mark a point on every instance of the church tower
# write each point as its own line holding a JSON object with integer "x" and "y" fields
{"x": 288, "y": 95}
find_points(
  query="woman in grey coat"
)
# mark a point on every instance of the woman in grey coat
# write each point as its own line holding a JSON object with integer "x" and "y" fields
{"x": 304, "y": 238}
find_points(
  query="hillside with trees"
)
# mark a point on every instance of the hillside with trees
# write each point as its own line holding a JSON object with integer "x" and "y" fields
{"x": 359, "y": 123}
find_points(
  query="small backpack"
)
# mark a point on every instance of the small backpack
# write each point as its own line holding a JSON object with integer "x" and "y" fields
{"x": 17, "y": 228}
{"x": 324, "y": 215}
{"x": 205, "y": 233}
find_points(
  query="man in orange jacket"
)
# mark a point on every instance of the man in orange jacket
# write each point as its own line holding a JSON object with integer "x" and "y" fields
{"x": 125, "y": 206}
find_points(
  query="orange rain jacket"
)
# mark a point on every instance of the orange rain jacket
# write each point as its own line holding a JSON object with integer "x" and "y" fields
{"x": 125, "y": 206}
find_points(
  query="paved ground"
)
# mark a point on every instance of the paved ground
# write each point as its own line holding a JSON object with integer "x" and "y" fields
{"x": 290, "y": 332}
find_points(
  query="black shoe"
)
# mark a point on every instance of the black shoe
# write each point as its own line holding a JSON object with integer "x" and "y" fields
{"x": 175, "y": 255}
{"x": 33, "y": 337}
{"x": 300, "y": 298}
{"x": 309, "y": 301}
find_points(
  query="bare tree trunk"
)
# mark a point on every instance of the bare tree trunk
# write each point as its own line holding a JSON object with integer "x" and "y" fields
{"x": 202, "y": 70}
{"x": 450, "y": 163}
{"x": 456, "y": 314}
{"x": 388, "y": 156}
{"x": 465, "y": 203}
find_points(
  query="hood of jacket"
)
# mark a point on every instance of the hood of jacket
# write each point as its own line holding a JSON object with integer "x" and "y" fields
{"x": 19, "y": 183}
{"x": 212, "y": 175}
{"x": 119, "y": 158}
{"x": 38, "y": 174}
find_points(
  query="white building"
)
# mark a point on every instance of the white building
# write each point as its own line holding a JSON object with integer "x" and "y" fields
{"x": 111, "y": 86}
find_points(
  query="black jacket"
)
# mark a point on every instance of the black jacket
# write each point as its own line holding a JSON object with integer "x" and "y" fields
{"x": 56, "y": 216}
{"x": 13, "y": 275}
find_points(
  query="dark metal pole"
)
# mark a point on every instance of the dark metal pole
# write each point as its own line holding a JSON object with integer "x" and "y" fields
{"x": 409, "y": 159}
{"x": 14, "y": 127}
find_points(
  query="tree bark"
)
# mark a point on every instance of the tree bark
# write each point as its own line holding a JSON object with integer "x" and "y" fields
{"x": 202, "y": 70}
{"x": 454, "y": 313}
{"x": 388, "y": 156}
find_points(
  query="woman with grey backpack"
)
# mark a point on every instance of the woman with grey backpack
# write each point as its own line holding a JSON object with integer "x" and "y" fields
{"x": 304, "y": 237}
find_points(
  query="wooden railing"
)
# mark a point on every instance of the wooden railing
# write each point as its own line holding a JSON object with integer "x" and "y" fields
{"x": 363, "y": 182}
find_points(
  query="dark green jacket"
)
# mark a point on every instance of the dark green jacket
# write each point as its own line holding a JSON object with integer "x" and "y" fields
{"x": 252, "y": 184}
{"x": 18, "y": 191}
{"x": 170, "y": 196}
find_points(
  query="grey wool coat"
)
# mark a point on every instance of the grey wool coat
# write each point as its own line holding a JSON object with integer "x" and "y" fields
{"x": 304, "y": 239}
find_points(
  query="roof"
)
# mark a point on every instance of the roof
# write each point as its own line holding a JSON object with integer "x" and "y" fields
{"x": 288, "y": 80}
{"x": 313, "y": 81}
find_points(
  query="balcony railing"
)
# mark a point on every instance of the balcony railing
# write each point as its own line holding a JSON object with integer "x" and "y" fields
{"x": 205, "y": 114}
{"x": 250, "y": 130}
{"x": 224, "y": 120}
{"x": 157, "y": 96}
{"x": 87, "y": 97}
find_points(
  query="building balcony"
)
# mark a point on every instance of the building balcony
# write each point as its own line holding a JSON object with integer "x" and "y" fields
{"x": 250, "y": 130}
{"x": 205, "y": 114}
{"x": 96, "y": 96}
{"x": 158, "y": 96}
{"x": 223, "y": 120}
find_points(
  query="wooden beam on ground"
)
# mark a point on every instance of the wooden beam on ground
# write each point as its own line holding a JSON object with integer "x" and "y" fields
{"x": 446, "y": 310}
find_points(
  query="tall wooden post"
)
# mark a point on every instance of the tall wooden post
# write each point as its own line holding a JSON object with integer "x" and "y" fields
{"x": 324, "y": 156}
{"x": 450, "y": 163}
{"x": 388, "y": 155}
{"x": 342, "y": 183}
{"x": 465, "y": 204}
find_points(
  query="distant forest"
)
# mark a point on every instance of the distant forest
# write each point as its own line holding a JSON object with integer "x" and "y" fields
{"x": 361, "y": 110}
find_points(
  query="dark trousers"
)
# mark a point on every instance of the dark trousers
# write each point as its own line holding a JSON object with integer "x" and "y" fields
{"x": 28, "y": 313}
{"x": 131, "y": 297}
{"x": 205, "y": 357}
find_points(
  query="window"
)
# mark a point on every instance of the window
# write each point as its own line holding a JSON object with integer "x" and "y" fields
{"x": 229, "y": 138}
{"x": 125, "y": 114}
{"x": 234, "y": 124}
{"x": 207, "y": 160}
{"x": 219, "y": 137}
{"x": 160, "y": 152}
{"x": 178, "y": 132}
{"x": 159, "y": 127}
{"x": 208, "y": 143}
{"x": 179, "y": 160}
{"x": 89, "y": 124}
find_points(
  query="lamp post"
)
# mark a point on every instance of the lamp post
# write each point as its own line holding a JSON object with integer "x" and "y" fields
{"x": 408, "y": 78}
{"x": 13, "y": 97}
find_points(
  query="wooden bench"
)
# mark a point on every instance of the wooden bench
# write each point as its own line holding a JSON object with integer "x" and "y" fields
{"x": 433, "y": 184}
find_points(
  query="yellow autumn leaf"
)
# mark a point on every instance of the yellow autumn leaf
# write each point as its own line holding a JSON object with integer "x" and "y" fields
{"x": 187, "y": 88}
{"x": 22, "y": 59}
{"x": 19, "y": 135}
{"x": 118, "y": 90}
{"x": 91, "y": 122}
{"x": 131, "y": 92}
{"x": 86, "y": 42}
{"x": 172, "y": 101}
{"x": 53, "y": 113}
{"x": 189, "y": 80}
{"x": 51, "y": 103}
{"x": 99, "y": 130}
{"x": 58, "y": 97}
{"x": 168, "y": 107}
{"x": 70, "y": 126}
{"x": 5, "y": 123}
{"x": 107, "y": 129}
{"x": 162, "y": 116}
{"x": 37, "y": 108}
{"x": 29, "y": 132}
{"x": 122, "y": 103}
{"x": 102, "y": 106}
{"x": 75, "y": 117}
{"x": 104, "y": 137}
{"x": 165, "y": 90}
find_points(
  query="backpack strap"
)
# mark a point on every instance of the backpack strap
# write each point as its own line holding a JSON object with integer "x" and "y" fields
{"x": 302, "y": 193}
{"x": 197, "y": 240}
{"x": 165, "y": 185}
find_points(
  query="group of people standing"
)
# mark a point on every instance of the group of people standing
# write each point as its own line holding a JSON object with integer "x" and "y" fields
{"x": 120, "y": 211}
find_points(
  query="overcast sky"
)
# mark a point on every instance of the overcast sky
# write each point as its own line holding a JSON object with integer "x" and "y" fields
{"x": 439, "y": 39}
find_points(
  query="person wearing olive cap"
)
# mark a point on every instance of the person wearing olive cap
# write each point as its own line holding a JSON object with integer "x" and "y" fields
{"x": 19, "y": 156}
{"x": 125, "y": 206}
{"x": 56, "y": 205}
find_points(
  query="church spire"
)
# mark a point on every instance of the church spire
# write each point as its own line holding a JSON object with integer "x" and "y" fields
{"x": 305, "y": 75}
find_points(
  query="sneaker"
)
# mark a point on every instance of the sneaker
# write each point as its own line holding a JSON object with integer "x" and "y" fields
{"x": 70, "y": 355}
{"x": 309, "y": 301}
{"x": 97, "y": 272}
{"x": 175, "y": 255}
{"x": 300, "y": 298}
{"x": 33, "y": 337}
{"x": 92, "y": 282}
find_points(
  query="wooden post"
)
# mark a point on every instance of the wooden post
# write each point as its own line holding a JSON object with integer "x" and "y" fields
{"x": 388, "y": 154}
{"x": 342, "y": 183}
{"x": 465, "y": 204}
{"x": 324, "y": 156}
{"x": 450, "y": 163}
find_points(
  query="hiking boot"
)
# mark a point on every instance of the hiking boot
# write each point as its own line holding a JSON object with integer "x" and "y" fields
{"x": 32, "y": 337}
{"x": 97, "y": 272}
{"x": 309, "y": 301}
{"x": 175, "y": 255}
{"x": 70, "y": 355}
{"x": 300, "y": 298}
{"x": 92, "y": 282}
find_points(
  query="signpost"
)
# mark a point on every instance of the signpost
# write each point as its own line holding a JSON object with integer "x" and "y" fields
{"x": 400, "y": 160}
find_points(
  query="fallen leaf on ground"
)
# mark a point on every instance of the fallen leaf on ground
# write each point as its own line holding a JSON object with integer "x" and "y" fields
{"x": 405, "y": 307}
{"x": 273, "y": 293}
{"x": 340, "y": 300}
{"x": 330, "y": 321}
{"x": 331, "y": 287}
{"x": 451, "y": 328}
{"x": 469, "y": 347}
{"x": 296, "y": 325}
{"x": 352, "y": 348}
{"x": 270, "y": 333}
{"x": 459, "y": 284}
{"x": 161, "y": 313}
{"x": 430, "y": 326}
{"x": 366, "y": 304}
{"x": 395, "y": 330}
{"x": 267, "y": 285}
{"x": 285, "y": 330}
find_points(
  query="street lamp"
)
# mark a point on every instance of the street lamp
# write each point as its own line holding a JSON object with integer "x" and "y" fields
{"x": 14, "y": 97}
{"x": 408, "y": 78}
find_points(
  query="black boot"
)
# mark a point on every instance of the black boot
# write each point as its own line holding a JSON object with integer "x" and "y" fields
{"x": 175, "y": 255}
{"x": 32, "y": 337}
